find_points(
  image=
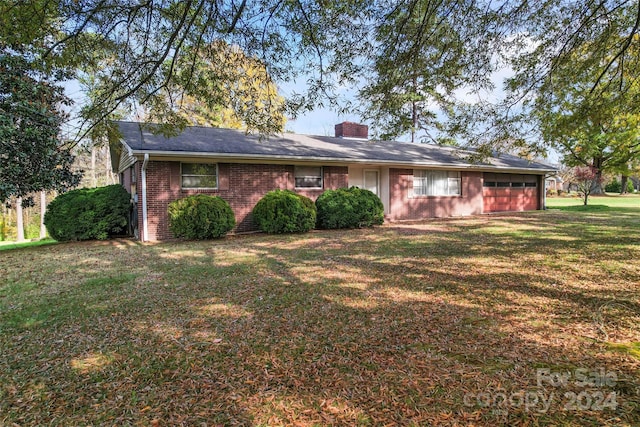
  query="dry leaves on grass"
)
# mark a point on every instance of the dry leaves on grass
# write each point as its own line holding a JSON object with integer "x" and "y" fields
{"x": 409, "y": 324}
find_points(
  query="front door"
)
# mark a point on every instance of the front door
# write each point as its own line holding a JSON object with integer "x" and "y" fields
{"x": 371, "y": 181}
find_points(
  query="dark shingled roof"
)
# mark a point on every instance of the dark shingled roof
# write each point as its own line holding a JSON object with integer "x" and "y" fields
{"x": 234, "y": 144}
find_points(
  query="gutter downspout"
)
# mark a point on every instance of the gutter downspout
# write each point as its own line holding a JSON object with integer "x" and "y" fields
{"x": 544, "y": 192}
{"x": 143, "y": 172}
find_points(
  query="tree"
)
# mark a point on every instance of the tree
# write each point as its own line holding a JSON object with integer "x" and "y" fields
{"x": 141, "y": 47}
{"x": 575, "y": 78}
{"x": 144, "y": 49}
{"x": 587, "y": 178}
{"x": 43, "y": 210}
{"x": 220, "y": 86}
{"x": 567, "y": 175}
{"x": 424, "y": 54}
{"x": 599, "y": 129}
{"x": 32, "y": 156}
{"x": 19, "y": 220}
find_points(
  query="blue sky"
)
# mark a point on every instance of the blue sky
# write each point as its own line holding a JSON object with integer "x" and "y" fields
{"x": 321, "y": 121}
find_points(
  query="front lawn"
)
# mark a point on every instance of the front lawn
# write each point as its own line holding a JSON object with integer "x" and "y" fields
{"x": 595, "y": 202}
{"x": 509, "y": 319}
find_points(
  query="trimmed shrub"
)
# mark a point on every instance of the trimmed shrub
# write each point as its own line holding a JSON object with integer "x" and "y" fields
{"x": 349, "y": 208}
{"x": 616, "y": 186}
{"x": 283, "y": 211}
{"x": 88, "y": 213}
{"x": 200, "y": 217}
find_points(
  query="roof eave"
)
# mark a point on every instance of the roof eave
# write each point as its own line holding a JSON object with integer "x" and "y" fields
{"x": 237, "y": 157}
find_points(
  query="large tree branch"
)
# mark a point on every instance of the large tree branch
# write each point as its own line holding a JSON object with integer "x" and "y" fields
{"x": 236, "y": 17}
{"x": 313, "y": 40}
{"x": 169, "y": 46}
{"x": 621, "y": 52}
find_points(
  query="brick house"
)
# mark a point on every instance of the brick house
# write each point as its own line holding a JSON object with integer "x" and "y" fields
{"x": 414, "y": 181}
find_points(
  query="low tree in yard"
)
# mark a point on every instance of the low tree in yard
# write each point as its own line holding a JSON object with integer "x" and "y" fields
{"x": 587, "y": 178}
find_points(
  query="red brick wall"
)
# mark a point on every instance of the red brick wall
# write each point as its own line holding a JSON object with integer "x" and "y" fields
{"x": 241, "y": 185}
{"x": 403, "y": 207}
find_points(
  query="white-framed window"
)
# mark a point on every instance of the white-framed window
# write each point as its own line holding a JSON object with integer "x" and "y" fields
{"x": 199, "y": 175}
{"x": 436, "y": 183}
{"x": 308, "y": 176}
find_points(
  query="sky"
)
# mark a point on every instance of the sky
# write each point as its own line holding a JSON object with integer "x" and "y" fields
{"x": 321, "y": 121}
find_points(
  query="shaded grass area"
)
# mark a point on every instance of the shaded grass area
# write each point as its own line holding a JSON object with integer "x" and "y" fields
{"x": 4, "y": 246}
{"x": 408, "y": 324}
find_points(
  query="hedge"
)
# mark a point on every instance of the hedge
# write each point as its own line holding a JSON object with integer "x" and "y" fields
{"x": 200, "y": 217}
{"x": 349, "y": 208}
{"x": 88, "y": 213}
{"x": 283, "y": 211}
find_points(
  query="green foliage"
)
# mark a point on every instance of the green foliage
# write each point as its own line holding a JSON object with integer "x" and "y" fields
{"x": 349, "y": 208}
{"x": 283, "y": 211}
{"x": 88, "y": 213}
{"x": 429, "y": 65}
{"x": 615, "y": 186}
{"x": 32, "y": 158}
{"x": 415, "y": 75}
{"x": 218, "y": 85}
{"x": 201, "y": 217}
{"x": 583, "y": 101}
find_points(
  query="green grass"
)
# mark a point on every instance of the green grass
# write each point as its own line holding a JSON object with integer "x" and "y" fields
{"x": 5, "y": 246}
{"x": 596, "y": 203}
{"x": 631, "y": 348}
{"x": 405, "y": 324}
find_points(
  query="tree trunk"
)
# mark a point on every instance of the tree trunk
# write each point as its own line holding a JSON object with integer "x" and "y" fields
{"x": 624, "y": 182}
{"x": 43, "y": 209}
{"x": 19, "y": 220}
{"x": 93, "y": 167}
{"x": 414, "y": 111}
{"x": 596, "y": 187}
{"x": 107, "y": 162}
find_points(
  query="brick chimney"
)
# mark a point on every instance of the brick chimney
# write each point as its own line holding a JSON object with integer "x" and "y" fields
{"x": 352, "y": 130}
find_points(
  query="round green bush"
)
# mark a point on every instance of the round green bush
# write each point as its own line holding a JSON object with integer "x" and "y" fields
{"x": 349, "y": 208}
{"x": 616, "y": 186}
{"x": 283, "y": 211}
{"x": 88, "y": 213}
{"x": 200, "y": 217}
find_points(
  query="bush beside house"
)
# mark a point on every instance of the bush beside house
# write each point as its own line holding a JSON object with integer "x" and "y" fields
{"x": 88, "y": 213}
{"x": 283, "y": 211}
{"x": 349, "y": 208}
{"x": 200, "y": 217}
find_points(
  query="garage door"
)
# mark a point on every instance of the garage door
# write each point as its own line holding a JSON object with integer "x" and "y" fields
{"x": 508, "y": 192}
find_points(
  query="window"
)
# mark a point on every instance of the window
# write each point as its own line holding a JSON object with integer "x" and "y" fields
{"x": 489, "y": 183}
{"x": 530, "y": 184}
{"x": 436, "y": 183}
{"x": 199, "y": 175}
{"x": 308, "y": 176}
